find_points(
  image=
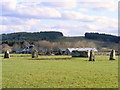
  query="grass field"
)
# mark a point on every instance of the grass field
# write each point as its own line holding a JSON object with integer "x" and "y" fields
{"x": 22, "y": 72}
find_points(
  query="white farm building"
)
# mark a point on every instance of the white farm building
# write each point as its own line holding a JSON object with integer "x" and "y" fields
{"x": 80, "y": 52}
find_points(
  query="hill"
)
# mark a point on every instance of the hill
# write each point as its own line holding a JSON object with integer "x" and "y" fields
{"x": 99, "y": 40}
{"x": 36, "y": 36}
{"x": 56, "y": 36}
{"x": 102, "y": 37}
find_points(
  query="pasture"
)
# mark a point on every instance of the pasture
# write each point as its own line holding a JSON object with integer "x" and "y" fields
{"x": 22, "y": 72}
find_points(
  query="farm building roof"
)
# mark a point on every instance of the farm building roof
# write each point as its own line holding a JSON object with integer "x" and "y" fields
{"x": 62, "y": 49}
{"x": 82, "y": 49}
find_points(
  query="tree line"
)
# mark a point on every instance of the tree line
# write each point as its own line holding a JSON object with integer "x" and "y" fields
{"x": 52, "y": 36}
{"x": 102, "y": 37}
{"x": 36, "y": 36}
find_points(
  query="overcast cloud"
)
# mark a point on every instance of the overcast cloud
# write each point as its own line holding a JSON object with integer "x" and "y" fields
{"x": 72, "y": 17}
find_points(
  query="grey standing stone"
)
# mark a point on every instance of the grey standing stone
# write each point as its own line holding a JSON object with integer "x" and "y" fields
{"x": 112, "y": 55}
{"x": 7, "y": 54}
{"x": 34, "y": 54}
{"x": 92, "y": 56}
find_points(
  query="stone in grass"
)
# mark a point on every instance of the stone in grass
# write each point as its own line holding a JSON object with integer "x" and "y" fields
{"x": 92, "y": 56}
{"x": 7, "y": 54}
{"x": 34, "y": 53}
{"x": 112, "y": 55}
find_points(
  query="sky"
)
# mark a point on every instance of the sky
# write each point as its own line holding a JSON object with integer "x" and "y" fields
{"x": 72, "y": 17}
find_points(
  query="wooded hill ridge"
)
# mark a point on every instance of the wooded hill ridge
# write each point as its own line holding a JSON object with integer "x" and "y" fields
{"x": 36, "y": 36}
{"x": 55, "y": 36}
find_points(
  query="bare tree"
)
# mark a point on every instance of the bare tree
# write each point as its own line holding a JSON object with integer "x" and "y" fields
{"x": 55, "y": 45}
{"x": 25, "y": 44}
{"x": 6, "y": 47}
{"x": 84, "y": 44}
{"x": 15, "y": 47}
{"x": 44, "y": 44}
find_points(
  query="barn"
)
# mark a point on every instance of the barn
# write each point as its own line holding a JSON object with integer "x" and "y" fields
{"x": 80, "y": 52}
{"x": 77, "y": 53}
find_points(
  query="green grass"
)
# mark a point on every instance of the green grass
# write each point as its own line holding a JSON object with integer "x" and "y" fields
{"x": 17, "y": 55}
{"x": 21, "y": 72}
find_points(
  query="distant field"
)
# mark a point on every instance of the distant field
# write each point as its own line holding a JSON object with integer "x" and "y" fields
{"x": 22, "y": 72}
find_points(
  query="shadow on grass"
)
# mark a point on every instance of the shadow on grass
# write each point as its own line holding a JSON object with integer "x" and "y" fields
{"x": 51, "y": 59}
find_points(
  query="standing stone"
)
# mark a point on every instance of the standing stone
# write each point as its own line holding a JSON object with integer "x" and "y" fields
{"x": 34, "y": 54}
{"x": 92, "y": 56}
{"x": 6, "y": 55}
{"x": 112, "y": 55}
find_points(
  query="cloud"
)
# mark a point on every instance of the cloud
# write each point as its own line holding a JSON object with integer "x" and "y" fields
{"x": 69, "y": 29}
{"x": 29, "y": 11}
{"x": 100, "y": 5}
{"x": 72, "y": 15}
{"x": 32, "y": 22}
{"x": 100, "y": 24}
{"x": 15, "y": 9}
{"x": 12, "y": 28}
{"x": 25, "y": 25}
{"x": 105, "y": 1}
{"x": 109, "y": 5}
{"x": 39, "y": 12}
{"x": 73, "y": 23}
{"x": 106, "y": 21}
{"x": 61, "y": 4}
{"x": 28, "y": 28}
{"x": 9, "y": 4}
{"x": 10, "y": 21}
{"x": 36, "y": 16}
{"x": 18, "y": 21}
{"x": 84, "y": 10}
{"x": 13, "y": 24}
{"x": 78, "y": 16}
{"x": 94, "y": 27}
